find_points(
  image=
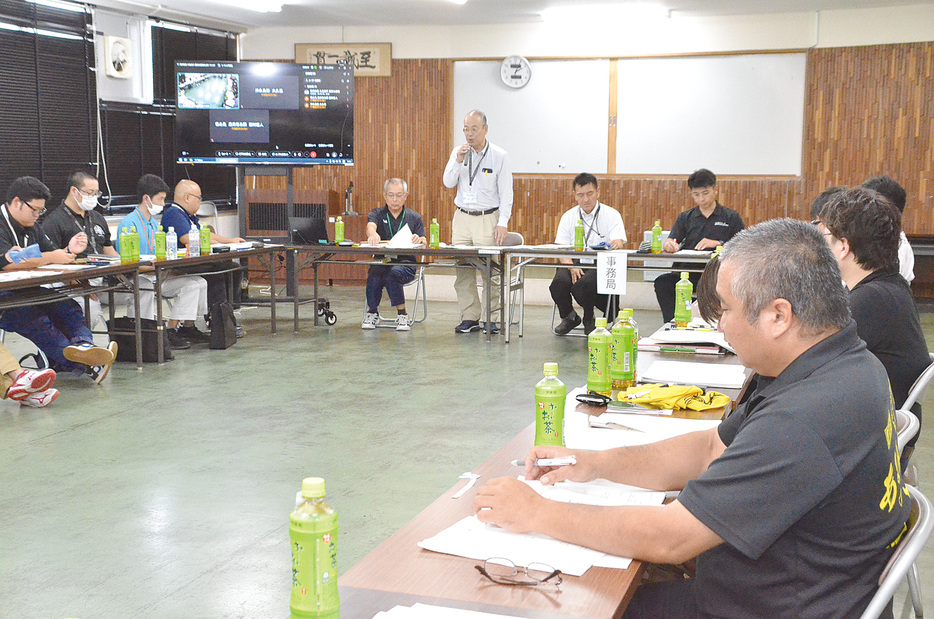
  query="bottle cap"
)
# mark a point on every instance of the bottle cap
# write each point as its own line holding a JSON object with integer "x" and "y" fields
{"x": 551, "y": 369}
{"x": 600, "y": 322}
{"x": 434, "y": 220}
{"x": 313, "y": 488}
{"x": 658, "y": 222}
{"x": 171, "y": 228}
{"x": 621, "y": 314}
{"x": 628, "y": 313}
{"x": 684, "y": 275}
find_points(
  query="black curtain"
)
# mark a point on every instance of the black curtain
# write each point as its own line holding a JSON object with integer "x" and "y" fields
{"x": 47, "y": 93}
{"x": 140, "y": 139}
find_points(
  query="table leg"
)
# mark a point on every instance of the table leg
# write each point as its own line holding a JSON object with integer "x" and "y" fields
{"x": 138, "y": 321}
{"x": 157, "y": 291}
{"x": 314, "y": 268}
{"x": 507, "y": 272}
{"x": 488, "y": 288}
{"x": 294, "y": 276}
{"x": 272, "y": 289}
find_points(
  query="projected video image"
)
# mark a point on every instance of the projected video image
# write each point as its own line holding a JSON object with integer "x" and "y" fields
{"x": 209, "y": 91}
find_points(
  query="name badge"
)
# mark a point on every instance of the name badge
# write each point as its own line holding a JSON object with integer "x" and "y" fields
{"x": 470, "y": 197}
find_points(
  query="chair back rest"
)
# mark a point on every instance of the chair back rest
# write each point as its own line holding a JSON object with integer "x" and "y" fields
{"x": 920, "y": 386}
{"x": 207, "y": 209}
{"x": 906, "y": 427}
{"x": 920, "y": 522}
{"x": 512, "y": 239}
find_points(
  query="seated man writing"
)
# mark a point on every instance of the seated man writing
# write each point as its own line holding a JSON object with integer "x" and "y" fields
{"x": 792, "y": 505}
{"x": 58, "y": 328}
{"x": 603, "y": 226}
{"x": 863, "y": 231}
{"x": 705, "y": 226}
{"x": 382, "y": 224}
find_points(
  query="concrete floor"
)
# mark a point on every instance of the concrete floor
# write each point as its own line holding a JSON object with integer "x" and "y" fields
{"x": 165, "y": 493}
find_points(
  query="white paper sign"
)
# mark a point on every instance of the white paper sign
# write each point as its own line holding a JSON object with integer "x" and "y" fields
{"x": 611, "y": 272}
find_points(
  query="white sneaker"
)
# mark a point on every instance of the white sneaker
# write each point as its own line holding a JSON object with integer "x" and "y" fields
{"x": 88, "y": 354}
{"x": 370, "y": 320}
{"x": 29, "y": 382}
{"x": 99, "y": 372}
{"x": 40, "y": 399}
{"x": 404, "y": 322}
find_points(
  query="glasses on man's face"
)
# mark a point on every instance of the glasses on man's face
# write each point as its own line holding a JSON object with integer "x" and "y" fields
{"x": 395, "y": 196}
{"x": 195, "y": 196}
{"x": 38, "y": 210}
{"x": 502, "y": 571}
{"x": 90, "y": 194}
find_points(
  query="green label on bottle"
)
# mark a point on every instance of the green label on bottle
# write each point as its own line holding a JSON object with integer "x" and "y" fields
{"x": 598, "y": 366}
{"x": 314, "y": 566}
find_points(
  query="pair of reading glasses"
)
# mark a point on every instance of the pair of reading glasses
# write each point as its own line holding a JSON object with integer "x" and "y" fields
{"x": 592, "y": 398}
{"x": 502, "y": 571}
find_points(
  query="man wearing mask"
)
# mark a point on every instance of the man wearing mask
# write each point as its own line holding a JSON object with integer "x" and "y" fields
{"x": 58, "y": 329}
{"x": 189, "y": 293}
{"x": 78, "y": 213}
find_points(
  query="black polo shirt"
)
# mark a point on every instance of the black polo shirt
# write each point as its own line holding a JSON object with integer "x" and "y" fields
{"x": 14, "y": 235}
{"x": 805, "y": 496}
{"x": 63, "y": 223}
{"x": 387, "y": 226}
{"x": 691, "y": 226}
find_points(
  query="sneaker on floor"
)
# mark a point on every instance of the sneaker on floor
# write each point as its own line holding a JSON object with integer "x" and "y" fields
{"x": 467, "y": 326}
{"x": 193, "y": 335}
{"x": 403, "y": 322}
{"x": 29, "y": 382}
{"x": 40, "y": 399}
{"x": 493, "y": 327}
{"x": 176, "y": 341}
{"x": 99, "y": 372}
{"x": 88, "y": 354}
{"x": 241, "y": 332}
{"x": 564, "y": 327}
{"x": 370, "y": 320}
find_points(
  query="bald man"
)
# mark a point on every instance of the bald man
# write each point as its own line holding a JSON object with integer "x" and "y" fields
{"x": 180, "y": 214}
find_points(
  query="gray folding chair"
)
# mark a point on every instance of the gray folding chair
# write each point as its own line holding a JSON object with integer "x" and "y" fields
{"x": 920, "y": 523}
{"x": 906, "y": 427}
{"x": 421, "y": 299}
{"x": 920, "y": 386}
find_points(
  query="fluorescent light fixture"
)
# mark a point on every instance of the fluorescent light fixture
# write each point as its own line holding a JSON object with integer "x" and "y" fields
{"x": 458, "y": 1}
{"x": 171, "y": 26}
{"x": 604, "y": 13}
{"x": 41, "y": 32}
{"x": 260, "y": 6}
{"x": 58, "y": 4}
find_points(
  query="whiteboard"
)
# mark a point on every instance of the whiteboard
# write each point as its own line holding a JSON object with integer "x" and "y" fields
{"x": 732, "y": 114}
{"x": 557, "y": 123}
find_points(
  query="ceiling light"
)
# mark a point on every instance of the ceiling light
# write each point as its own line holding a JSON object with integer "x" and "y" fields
{"x": 604, "y": 13}
{"x": 458, "y": 1}
{"x": 260, "y": 6}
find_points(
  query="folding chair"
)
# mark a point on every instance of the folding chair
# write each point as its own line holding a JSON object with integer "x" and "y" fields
{"x": 421, "y": 300}
{"x": 920, "y": 386}
{"x": 902, "y": 562}
{"x": 906, "y": 427}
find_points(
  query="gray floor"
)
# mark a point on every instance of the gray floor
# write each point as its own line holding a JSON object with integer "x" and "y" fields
{"x": 165, "y": 493}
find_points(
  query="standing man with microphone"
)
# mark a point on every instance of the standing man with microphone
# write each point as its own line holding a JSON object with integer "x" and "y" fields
{"x": 481, "y": 172}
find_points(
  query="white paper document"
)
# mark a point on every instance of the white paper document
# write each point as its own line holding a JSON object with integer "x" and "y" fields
{"x": 724, "y": 376}
{"x": 402, "y": 239}
{"x": 427, "y": 611}
{"x": 477, "y": 540}
{"x": 688, "y": 336}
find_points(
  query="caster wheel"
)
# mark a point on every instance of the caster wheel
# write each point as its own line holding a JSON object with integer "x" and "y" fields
{"x": 331, "y": 318}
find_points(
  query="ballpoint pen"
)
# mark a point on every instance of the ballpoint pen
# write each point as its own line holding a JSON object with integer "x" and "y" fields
{"x": 567, "y": 461}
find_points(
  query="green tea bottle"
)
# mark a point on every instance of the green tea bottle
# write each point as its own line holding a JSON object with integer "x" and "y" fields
{"x": 579, "y": 235}
{"x": 657, "y": 237}
{"x": 550, "y": 394}
{"x": 134, "y": 244}
{"x": 160, "y": 244}
{"x": 205, "y": 234}
{"x": 622, "y": 365}
{"x": 339, "y": 230}
{"x": 599, "y": 342}
{"x": 313, "y": 533}
{"x": 683, "y": 290}
{"x": 126, "y": 250}
{"x": 434, "y": 234}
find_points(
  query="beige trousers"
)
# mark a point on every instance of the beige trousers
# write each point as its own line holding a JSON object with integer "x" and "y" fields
{"x": 470, "y": 230}
{"x": 8, "y": 363}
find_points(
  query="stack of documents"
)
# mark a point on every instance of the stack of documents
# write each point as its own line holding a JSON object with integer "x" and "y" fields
{"x": 702, "y": 340}
{"x": 426, "y": 611}
{"x": 704, "y": 375}
{"x": 477, "y": 540}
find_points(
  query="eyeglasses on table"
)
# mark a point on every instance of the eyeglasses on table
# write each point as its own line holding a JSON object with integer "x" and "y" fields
{"x": 502, "y": 571}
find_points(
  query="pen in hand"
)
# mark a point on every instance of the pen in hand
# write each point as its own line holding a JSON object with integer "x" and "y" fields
{"x": 566, "y": 461}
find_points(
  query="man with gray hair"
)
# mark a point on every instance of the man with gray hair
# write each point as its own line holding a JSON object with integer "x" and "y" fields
{"x": 481, "y": 172}
{"x": 382, "y": 224}
{"x": 793, "y": 504}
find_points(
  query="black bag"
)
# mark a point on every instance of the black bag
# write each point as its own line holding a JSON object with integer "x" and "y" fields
{"x": 126, "y": 341}
{"x": 223, "y": 326}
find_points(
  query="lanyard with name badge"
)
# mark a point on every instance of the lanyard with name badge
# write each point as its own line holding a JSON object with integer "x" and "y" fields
{"x": 388, "y": 221}
{"x": 470, "y": 196}
{"x": 591, "y": 228}
{"x": 15, "y": 237}
{"x": 89, "y": 232}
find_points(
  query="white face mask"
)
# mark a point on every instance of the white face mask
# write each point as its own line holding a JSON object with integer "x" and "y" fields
{"x": 87, "y": 203}
{"x": 155, "y": 209}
